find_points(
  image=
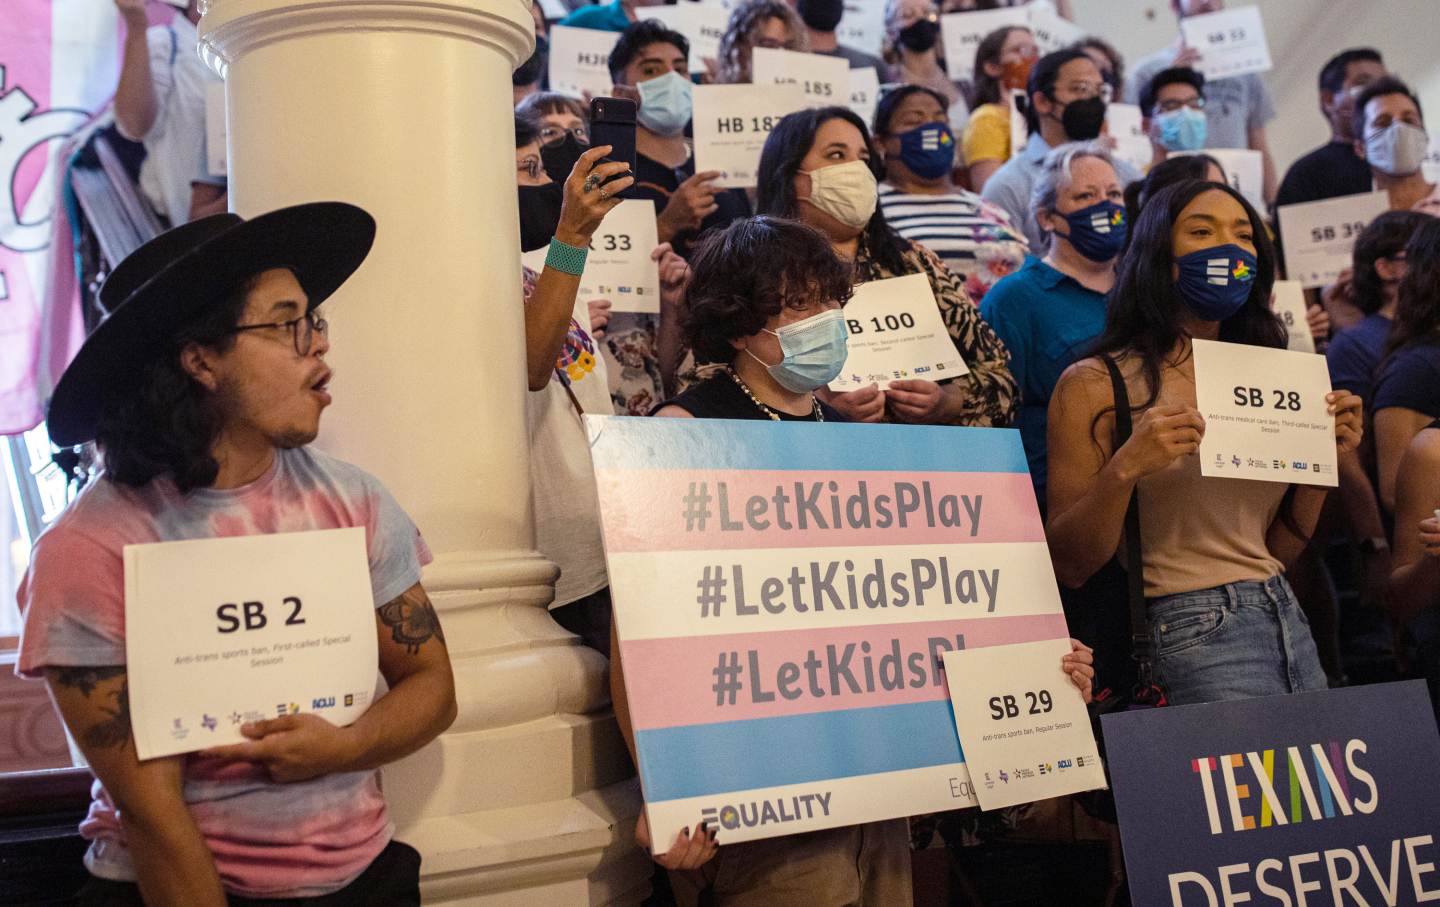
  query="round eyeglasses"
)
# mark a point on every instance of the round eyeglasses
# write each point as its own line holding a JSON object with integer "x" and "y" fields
{"x": 302, "y": 337}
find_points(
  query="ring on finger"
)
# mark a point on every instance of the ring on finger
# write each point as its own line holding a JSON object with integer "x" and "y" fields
{"x": 591, "y": 182}
{"x": 603, "y": 195}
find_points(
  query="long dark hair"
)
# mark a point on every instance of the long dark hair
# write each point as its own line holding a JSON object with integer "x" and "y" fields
{"x": 985, "y": 87}
{"x": 1166, "y": 173}
{"x": 1417, "y": 309}
{"x": 780, "y": 160}
{"x": 165, "y": 422}
{"x": 1142, "y": 316}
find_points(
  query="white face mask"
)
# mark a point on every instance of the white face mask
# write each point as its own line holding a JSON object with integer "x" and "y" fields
{"x": 1398, "y": 149}
{"x": 847, "y": 192}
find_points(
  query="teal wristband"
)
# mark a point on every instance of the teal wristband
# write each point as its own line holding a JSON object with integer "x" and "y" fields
{"x": 567, "y": 258}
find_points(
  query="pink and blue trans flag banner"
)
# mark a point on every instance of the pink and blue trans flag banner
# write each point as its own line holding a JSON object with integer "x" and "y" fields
{"x": 784, "y": 594}
{"x": 59, "y": 63}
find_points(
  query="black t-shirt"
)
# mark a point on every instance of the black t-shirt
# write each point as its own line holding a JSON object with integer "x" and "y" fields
{"x": 719, "y": 397}
{"x": 657, "y": 182}
{"x": 1329, "y": 171}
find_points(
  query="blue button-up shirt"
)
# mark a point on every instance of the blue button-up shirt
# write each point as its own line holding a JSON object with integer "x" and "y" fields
{"x": 1011, "y": 185}
{"x": 1048, "y": 322}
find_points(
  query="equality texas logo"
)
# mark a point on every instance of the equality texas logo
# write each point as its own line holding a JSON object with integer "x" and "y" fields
{"x": 22, "y": 131}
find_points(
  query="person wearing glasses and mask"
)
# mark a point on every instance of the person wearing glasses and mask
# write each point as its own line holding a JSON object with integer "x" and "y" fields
{"x": 819, "y": 167}
{"x": 1237, "y": 108}
{"x": 649, "y": 65}
{"x": 757, "y": 23}
{"x": 1390, "y": 135}
{"x": 203, "y": 392}
{"x": 1173, "y": 111}
{"x": 1068, "y": 99}
{"x": 974, "y": 239}
{"x": 912, "y": 34}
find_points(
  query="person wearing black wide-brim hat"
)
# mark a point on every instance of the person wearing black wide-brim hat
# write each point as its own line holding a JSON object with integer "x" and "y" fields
{"x": 202, "y": 391}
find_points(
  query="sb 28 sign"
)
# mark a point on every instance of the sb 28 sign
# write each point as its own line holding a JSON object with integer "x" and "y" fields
{"x": 1254, "y": 396}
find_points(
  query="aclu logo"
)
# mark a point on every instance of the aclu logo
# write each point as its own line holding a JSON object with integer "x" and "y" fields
{"x": 324, "y": 702}
{"x": 776, "y": 811}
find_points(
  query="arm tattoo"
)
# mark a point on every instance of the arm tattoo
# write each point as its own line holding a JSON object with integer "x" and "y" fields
{"x": 412, "y": 621}
{"x": 85, "y": 679}
{"x": 115, "y": 730}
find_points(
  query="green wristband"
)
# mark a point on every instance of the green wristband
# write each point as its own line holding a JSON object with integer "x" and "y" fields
{"x": 567, "y": 258}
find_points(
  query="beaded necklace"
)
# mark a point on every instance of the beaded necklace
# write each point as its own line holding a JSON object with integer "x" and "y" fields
{"x": 774, "y": 416}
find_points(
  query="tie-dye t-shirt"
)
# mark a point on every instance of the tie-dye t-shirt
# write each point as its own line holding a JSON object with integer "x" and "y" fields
{"x": 268, "y": 839}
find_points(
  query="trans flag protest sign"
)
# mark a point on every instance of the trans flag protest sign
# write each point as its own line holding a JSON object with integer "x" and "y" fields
{"x": 1331, "y": 797}
{"x": 784, "y": 595}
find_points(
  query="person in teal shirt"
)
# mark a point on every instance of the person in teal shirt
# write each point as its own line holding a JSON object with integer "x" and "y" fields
{"x": 613, "y": 16}
{"x": 1050, "y": 311}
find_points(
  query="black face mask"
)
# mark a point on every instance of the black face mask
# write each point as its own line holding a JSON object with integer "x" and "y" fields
{"x": 532, "y": 69}
{"x": 920, "y": 36}
{"x": 558, "y": 158}
{"x": 1083, "y": 120}
{"x": 539, "y": 214}
{"x": 821, "y": 15}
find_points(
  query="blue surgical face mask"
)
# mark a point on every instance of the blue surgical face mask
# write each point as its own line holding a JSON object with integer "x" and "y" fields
{"x": 815, "y": 351}
{"x": 665, "y": 104}
{"x": 1181, "y": 130}
{"x": 929, "y": 150}
{"x": 1097, "y": 232}
{"x": 1216, "y": 282}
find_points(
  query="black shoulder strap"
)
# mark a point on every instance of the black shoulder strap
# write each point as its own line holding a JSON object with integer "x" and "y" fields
{"x": 1139, "y": 628}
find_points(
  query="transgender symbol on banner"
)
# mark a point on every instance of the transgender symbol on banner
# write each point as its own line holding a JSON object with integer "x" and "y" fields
{"x": 784, "y": 594}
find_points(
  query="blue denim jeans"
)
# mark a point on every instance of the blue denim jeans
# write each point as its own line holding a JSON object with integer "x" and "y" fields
{"x": 1235, "y": 641}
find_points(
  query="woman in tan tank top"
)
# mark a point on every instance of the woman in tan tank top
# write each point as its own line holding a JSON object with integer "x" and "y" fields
{"x": 1224, "y": 623}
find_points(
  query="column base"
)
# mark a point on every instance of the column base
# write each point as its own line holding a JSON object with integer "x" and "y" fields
{"x": 580, "y": 850}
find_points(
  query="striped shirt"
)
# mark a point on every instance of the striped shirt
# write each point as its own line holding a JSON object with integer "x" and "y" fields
{"x": 973, "y": 237}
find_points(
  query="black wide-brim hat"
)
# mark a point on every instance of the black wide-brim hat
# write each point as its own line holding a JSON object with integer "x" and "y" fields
{"x": 174, "y": 278}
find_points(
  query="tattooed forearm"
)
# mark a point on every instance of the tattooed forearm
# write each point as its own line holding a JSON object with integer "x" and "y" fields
{"x": 85, "y": 679}
{"x": 115, "y": 730}
{"x": 412, "y": 620}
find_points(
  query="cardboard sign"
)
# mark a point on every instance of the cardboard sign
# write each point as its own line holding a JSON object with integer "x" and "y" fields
{"x": 1265, "y": 414}
{"x": 963, "y": 32}
{"x": 1317, "y": 798}
{"x": 1288, "y": 303}
{"x": 896, "y": 333}
{"x": 1319, "y": 237}
{"x": 863, "y": 26}
{"x": 783, "y": 595}
{"x": 1023, "y": 726}
{"x": 618, "y": 267}
{"x": 823, "y": 80}
{"x": 703, "y": 23}
{"x": 731, "y": 124}
{"x": 1231, "y": 42}
{"x": 1125, "y": 124}
{"x": 219, "y": 632}
{"x": 864, "y": 92}
{"x": 580, "y": 60}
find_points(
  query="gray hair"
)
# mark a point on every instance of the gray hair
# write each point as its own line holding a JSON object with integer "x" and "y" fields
{"x": 1055, "y": 173}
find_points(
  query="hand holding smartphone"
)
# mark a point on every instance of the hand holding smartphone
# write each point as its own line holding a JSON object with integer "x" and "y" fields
{"x": 612, "y": 122}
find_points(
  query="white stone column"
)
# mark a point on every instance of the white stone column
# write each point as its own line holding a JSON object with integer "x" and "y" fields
{"x": 404, "y": 108}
